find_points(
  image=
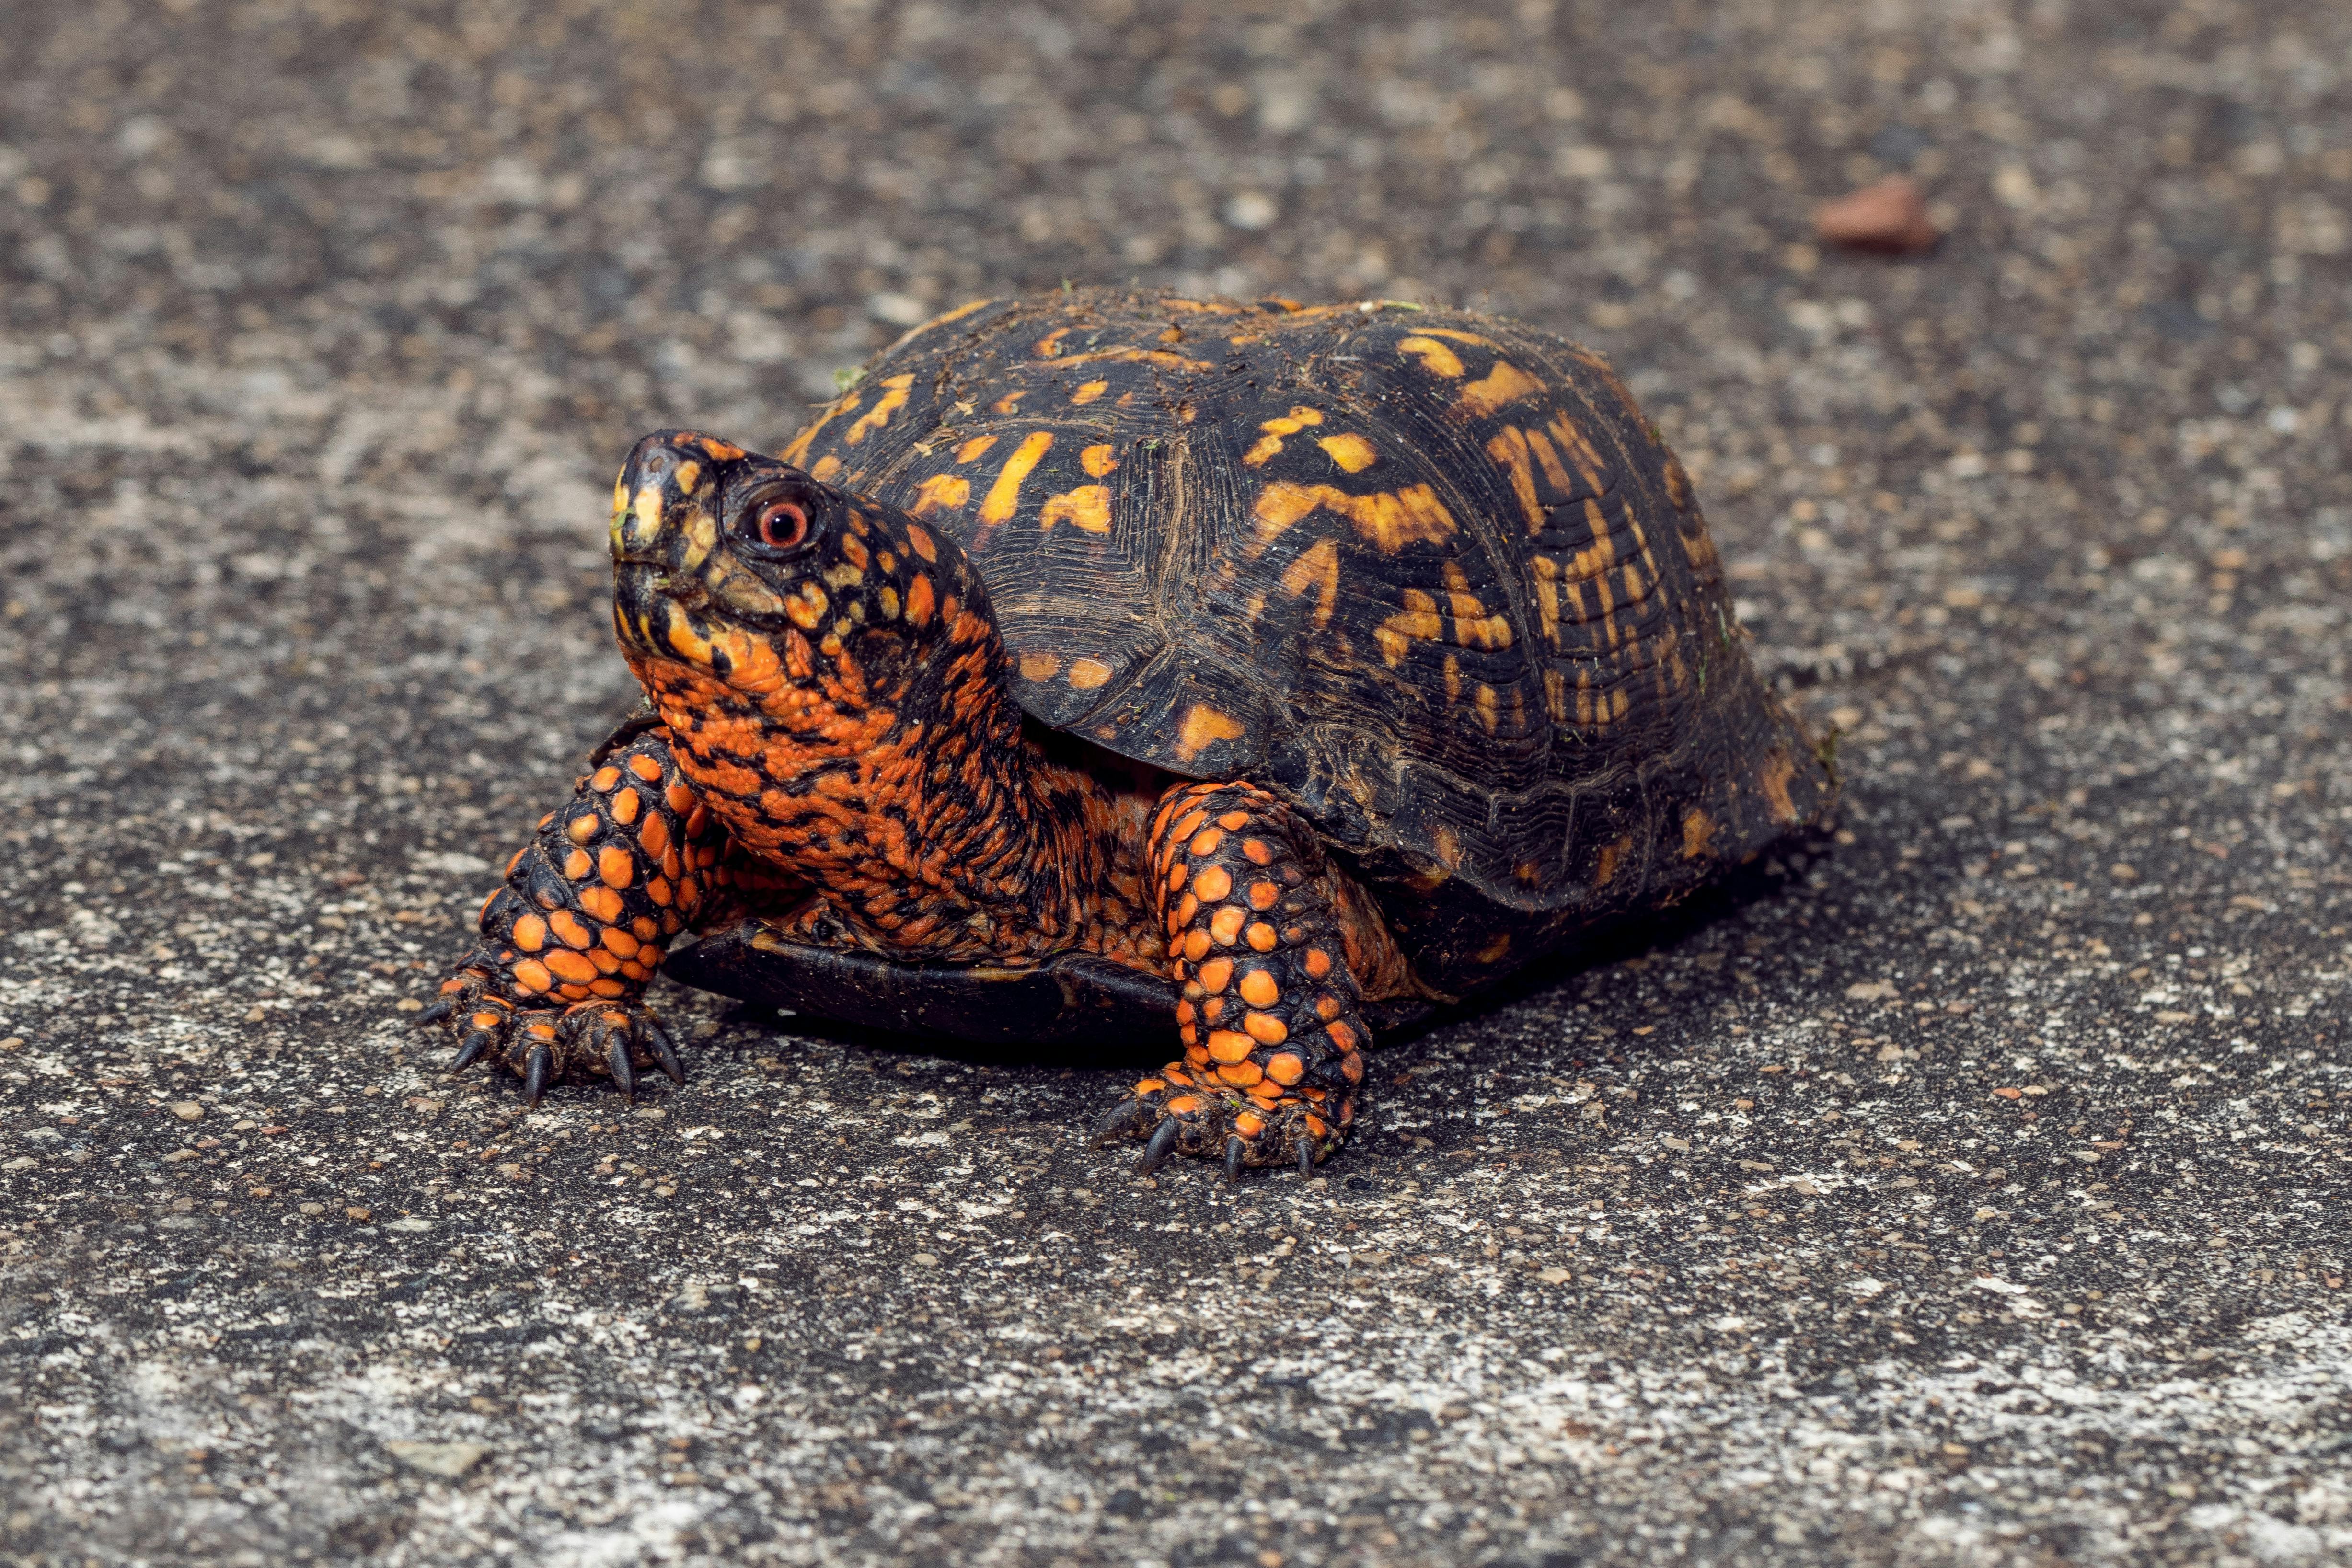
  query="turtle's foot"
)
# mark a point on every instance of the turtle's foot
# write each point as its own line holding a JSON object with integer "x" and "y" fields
{"x": 1259, "y": 946}
{"x": 1181, "y": 1110}
{"x": 545, "y": 1046}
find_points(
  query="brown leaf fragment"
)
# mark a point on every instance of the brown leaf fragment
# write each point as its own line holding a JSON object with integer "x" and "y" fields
{"x": 1889, "y": 217}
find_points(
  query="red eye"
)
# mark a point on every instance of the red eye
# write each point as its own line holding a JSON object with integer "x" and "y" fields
{"x": 782, "y": 525}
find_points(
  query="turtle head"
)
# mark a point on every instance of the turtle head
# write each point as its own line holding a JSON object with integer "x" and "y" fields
{"x": 746, "y": 570}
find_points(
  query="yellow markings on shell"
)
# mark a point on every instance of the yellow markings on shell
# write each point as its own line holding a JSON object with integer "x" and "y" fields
{"x": 1087, "y": 508}
{"x": 688, "y": 644}
{"x": 794, "y": 453}
{"x": 893, "y": 398}
{"x": 1698, "y": 829}
{"x": 1050, "y": 345}
{"x": 1604, "y": 867}
{"x": 1556, "y": 695}
{"x": 826, "y": 469}
{"x": 1318, "y": 568}
{"x": 1004, "y": 495}
{"x": 1778, "y": 771}
{"x": 1494, "y": 951}
{"x": 1422, "y": 620}
{"x": 1136, "y": 356}
{"x": 1085, "y": 674}
{"x": 1548, "y": 599}
{"x": 1090, "y": 391}
{"x": 1040, "y": 666}
{"x": 1509, "y": 449}
{"x": 1417, "y": 622}
{"x": 1678, "y": 485}
{"x": 687, "y": 473}
{"x": 1388, "y": 520}
{"x": 1452, "y": 678}
{"x": 1270, "y": 444}
{"x": 1455, "y": 335}
{"x": 1449, "y": 846}
{"x": 1203, "y": 727}
{"x": 974, "y": 447}
{"x": 1349, "y": 450}
{"x": 1579, "y": 451}
{"x": 1485, "y": 702}
{"x": 942, "y": 492}
{"x": 1098, "y": 462}
{"x": 889, "y": 596}
{"x": 921, "y": 541}
{"x": 1436, "y": 357}
{"x": 1505, "y": 385}
{"x": 1554, "y": 470}
{"x": 1010, "y": 401}
{"x": 1473, "y": 627}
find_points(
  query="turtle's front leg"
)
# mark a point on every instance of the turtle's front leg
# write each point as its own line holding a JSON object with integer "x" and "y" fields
{"x": 589, "y": 909}
{"x": 1274, "y": 1039}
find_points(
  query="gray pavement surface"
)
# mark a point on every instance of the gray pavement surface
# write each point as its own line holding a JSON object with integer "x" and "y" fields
{"x": 1977, "y": 1195}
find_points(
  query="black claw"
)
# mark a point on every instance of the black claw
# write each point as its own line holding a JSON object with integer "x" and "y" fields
{"x": 471, "y": 1049}
{"x": 435, "y": 1013}
{"x": 1155, "y": 1153}
{"x": 665, "y": 1052}
{"x": 1234, "y": 1148}
{"x": 537, "y": 1071}
{"x": 625, "y": 1071}
{"x": 1120, "y": 1118}
{"x": 1306, "y": 1160}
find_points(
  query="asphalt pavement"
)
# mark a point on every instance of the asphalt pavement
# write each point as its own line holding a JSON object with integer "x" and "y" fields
{"x": 1975, "y": 1192}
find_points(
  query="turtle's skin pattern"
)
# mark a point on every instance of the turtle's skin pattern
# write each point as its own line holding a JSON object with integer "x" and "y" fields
{"x": 1310, "y": 660}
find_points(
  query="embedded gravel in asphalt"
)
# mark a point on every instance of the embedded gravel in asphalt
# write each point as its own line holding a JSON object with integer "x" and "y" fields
{"x": 1977, "y": 1193}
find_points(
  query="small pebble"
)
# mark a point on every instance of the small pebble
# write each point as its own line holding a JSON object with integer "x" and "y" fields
{"x": 186, "y": 1110}
{"x": 449, "y": 1460}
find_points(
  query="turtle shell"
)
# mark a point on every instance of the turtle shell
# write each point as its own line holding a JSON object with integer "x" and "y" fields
{"x": 1429, "y": 575}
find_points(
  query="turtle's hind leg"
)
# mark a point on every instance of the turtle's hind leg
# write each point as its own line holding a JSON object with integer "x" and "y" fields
{"x": 1259, "y": 943}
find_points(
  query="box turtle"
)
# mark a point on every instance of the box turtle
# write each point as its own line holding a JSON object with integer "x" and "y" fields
{"x": 1114, "y": 665}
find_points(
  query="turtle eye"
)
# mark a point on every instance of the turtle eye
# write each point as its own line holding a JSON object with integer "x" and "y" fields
{"x": 780, "y": 524}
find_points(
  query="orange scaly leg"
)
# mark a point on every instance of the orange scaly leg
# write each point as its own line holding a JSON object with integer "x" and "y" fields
{"x": 589, "y": 907}
{"x": 1272, "y": 1035}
